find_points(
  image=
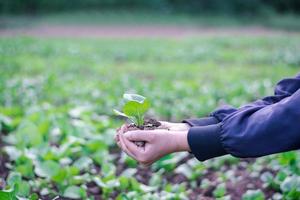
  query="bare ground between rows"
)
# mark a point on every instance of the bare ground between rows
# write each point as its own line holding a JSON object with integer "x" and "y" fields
{"x": 137, "y": 31}
{"x": 143, "y": 175}
{"x": 234, "y": 189}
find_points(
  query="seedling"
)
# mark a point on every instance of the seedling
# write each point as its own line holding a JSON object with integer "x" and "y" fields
{"x": 134, "y": 108}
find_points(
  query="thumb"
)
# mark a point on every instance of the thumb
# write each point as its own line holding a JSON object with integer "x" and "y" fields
{"x": 137, "y": 135}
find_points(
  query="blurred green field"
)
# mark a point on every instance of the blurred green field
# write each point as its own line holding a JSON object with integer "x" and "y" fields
{"x": 57, "y": 124}
{"x": 149, "y": 17}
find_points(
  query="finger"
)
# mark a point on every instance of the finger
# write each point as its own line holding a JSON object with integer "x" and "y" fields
{"x": 120, "y": 130}
{"x": 124, "y": 128}
{"x": 132, "y": 147}
{"x": 125, "y": 149}
{"x": 139, "y": 152}
{"x": 116, "y": 138}
{"x": 138, "y": 135}
{"x": 149, "y": 162}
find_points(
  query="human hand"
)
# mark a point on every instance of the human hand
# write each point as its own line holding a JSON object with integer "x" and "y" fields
{"x": 174, "y": 126}
{"x": 158, "y": 143}
{"x": 164, "y": 125}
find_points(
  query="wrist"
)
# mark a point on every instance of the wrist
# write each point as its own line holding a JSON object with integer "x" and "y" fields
{"x": 181, "y": 141}
{"x": 180, "y": 127}
{"x": 184, "y": 126}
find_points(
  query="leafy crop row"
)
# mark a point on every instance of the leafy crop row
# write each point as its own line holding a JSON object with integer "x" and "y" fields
{"x": 57, "y": 124}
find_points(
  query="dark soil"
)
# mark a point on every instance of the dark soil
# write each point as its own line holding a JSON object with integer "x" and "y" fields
{"x": 3, "y": 160}
{"x": 234, "y": 189}
{"x": 149, "y": 124}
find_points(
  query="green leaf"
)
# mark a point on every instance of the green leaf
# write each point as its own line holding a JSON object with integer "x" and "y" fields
{"x": 220, "y": 191}
{"x": 253, "y": 195}
{"x": 133, "y": 119}
{"x": 28, "y": 134}
{"x": 24, "y": 165}
{"x": 134, "y": 97}
{"x": 99, "y": 182}
{"x": 290, "y": 183}
{"x": 5, "y": 123}
{"x": 113, "y": 183}
{"x": 12, "y": 152}
{"x": 14, "y": 178}
{"x": 129, "y": 172}
{"x": 96, "y": 145}
{"x": 83, "y": 163}
{"x": 124, "y": 182}
{"x": 60, "y": 176}
{"x": 185, "y": 169}
{"x": 23, "y": 189}
{"x": 74, "y": 192}
{"x": 167, "y": 162}
{"x": 34, "y": 196}
{"x": 8, "y": 194}
{"x": 120, "y": 113}
{"x": 133, "y": 108}
{"x": 136, "y": 110}
{"x": 267, "y": 177}
{"x": 47, "y": 169}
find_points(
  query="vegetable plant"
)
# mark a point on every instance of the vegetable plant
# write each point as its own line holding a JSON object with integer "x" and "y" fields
{"x": 134, "y": 108}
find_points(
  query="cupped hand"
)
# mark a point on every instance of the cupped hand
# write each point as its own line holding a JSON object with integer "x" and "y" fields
{"x": 158, "y": 143}
{"x": 164, "y": 125}
{"x": 174, "y": 126}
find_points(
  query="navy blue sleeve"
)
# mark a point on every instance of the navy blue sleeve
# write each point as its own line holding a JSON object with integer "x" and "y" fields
{"x": 259, "y": 131}
{"x": 201, "y": 121}
{"x": 283, "y": 89}
{"x": 253, "y": 131}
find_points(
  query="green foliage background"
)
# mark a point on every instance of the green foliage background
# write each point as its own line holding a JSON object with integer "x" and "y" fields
{"x": 249, "y": 7}
{"x": 57, "y": 97}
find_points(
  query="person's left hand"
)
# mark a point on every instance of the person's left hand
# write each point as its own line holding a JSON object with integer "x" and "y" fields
{"x": 158, "y": 143}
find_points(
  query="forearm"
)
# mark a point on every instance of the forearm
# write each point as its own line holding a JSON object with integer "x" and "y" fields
{"x": 252, "y": 132}
{"x": 264, "y": 130}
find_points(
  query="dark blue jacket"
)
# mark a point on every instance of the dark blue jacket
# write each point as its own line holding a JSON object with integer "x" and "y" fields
{"x": 264, "y": 127}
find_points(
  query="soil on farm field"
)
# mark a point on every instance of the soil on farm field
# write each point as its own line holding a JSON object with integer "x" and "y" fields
{"x": 3, "y": 170}
{"x": 241, "y": 181}
{"x": 236, "y": 187}
{"x": 3, "y": 160}
{"x": 149, "y": 124}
